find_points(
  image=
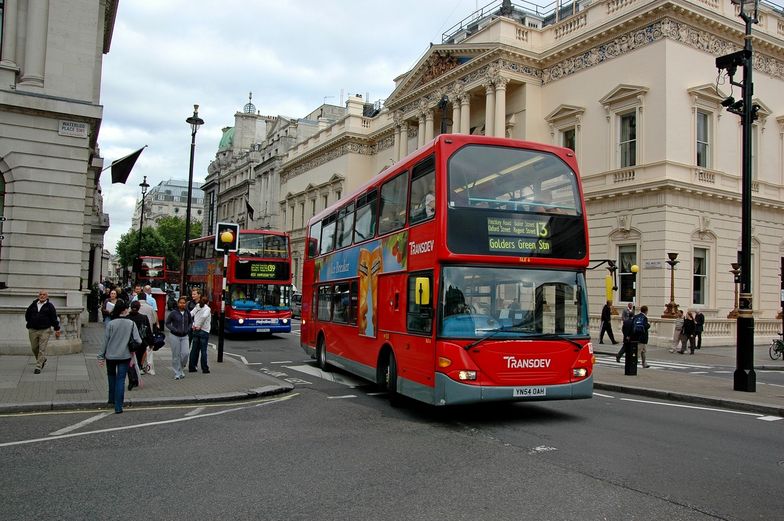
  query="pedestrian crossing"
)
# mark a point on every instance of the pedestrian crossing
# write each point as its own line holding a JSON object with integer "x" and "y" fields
{"x": 696, "y": 368}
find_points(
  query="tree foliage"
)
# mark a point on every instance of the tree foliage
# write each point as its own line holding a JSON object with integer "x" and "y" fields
{"x": 163, "y": 239}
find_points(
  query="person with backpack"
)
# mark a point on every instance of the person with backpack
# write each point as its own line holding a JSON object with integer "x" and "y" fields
{"x": 640, "y": 333}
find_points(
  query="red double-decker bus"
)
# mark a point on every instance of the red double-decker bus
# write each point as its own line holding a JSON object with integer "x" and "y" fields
{"x": 151, "y": 270}
{"x": 456, "y": 276}
{"x": 258, "y": 281}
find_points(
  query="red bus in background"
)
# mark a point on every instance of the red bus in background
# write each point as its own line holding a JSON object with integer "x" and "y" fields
{"x": 456, "y": 276}
{"x": 258, "y": 281}
{"x": 151, "y": 270}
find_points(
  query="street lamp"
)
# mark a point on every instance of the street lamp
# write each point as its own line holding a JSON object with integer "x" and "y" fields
{"x": 144, "y": 186}
{"x": 635, "y": 269}
{"x": 745, "y": 378}
{"x": 195, "y": 122}
{"x": 735, "y": 273}
{"x": 671, "y": 309}
{"x": 609, "y": 284}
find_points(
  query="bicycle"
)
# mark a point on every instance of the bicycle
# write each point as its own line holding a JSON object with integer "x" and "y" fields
{"x": 776, "y": 348}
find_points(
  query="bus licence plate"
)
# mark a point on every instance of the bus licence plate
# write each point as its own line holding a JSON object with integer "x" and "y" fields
{"x": 529, "y": 392}
{"x": 262, "y": 330}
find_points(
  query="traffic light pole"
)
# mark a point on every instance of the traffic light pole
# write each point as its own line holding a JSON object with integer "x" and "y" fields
{"x": 222, "y": 322}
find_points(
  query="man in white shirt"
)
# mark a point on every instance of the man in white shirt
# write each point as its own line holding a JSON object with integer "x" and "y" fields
{"x": 147, "y": 310}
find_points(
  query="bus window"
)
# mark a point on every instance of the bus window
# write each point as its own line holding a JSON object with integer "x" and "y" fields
{"x": 328, "y": 234}
{"x": 419, "y": 318}
{"x": 365, "y": 224}
{"x": 313, "y": 241}
{"x": 344, "y": 303}
{"x": 324, "y": 311}
{"x": 423, "y": 189}
{"x": 394, "y": 195}
{"x": 345, "y": 226}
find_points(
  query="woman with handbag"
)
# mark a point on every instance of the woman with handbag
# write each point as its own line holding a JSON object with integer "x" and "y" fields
{"x": 145, "y": 331}
{"x": 121, "y": 336}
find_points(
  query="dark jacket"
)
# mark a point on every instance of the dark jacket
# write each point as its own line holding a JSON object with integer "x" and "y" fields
{"x": 699, "y": 319}
{"x": 142, "y": 324}
{"x": 643, "y": 339}
{"x": 43, "y": 319}
{"x": 689, "y": 327}
{"x": 179, "y": 323}
{"x": 606, "y": 313}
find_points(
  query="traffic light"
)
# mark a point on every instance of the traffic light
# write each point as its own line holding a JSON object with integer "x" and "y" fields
{"x": 227, "y": 236}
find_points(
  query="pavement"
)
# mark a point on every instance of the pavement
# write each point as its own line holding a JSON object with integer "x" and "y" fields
{"x": 75, "y": 381}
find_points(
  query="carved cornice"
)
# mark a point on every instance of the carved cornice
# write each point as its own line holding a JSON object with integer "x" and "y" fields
{"x": 330, "y": 152}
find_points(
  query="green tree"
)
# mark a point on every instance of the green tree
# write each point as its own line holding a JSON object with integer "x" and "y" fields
{"x": 162, "y": 239}
{"x": 172, "y": 232}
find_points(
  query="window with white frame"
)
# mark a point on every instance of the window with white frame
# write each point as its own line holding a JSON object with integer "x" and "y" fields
{"x": 703, "y": 138}
{"x": 627, "y": 257}
{"x": 569, "y": 138}
{"x": 700, "y": 276}
{"x": 627, "y": 139}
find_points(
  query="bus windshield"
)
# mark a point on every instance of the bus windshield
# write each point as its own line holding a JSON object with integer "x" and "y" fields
{"x": 512, "y": 303}
{"x": 266, "y": 297}
{"x": 256, "y": 245}
{"x": 501, "y": 178}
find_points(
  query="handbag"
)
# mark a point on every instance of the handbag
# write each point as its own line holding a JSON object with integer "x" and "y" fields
{"x": 159, "y": 340}
{"x": 134, "y": 346}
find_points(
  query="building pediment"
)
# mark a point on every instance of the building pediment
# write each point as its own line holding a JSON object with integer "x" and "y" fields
{"x": 764, "y": 111}
{"x": 564, "y": 112}
{"x": 439, "y": 61}
{"x": 708, "y": 92}
{"x": 623, "y": 92}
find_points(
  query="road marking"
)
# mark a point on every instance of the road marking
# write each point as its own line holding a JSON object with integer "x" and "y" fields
{"x": 244, "y": 360}
{"x": 266, "y": 401}
{"x": 602, "y": 395}
{"x": 283, "y": 362}
{"x": 195, "y": 411}
{"x": 770, "y": 418}
{"x": 81, "y": 424}
{"x": 540, "y": 449}
{"x": 380, "y": 393}
{"x": 344, "y": 396}
{"x": 699, "y": 372}
{"x": 692, "y": 407}
{"x": 330, "y": 377}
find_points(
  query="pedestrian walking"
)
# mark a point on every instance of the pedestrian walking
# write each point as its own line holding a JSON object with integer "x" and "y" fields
{"x": 179, "y": 322}
{"x": 688, "y": 333}
{"x": 108, "y": 305}
{"x": 699, "y": 320}
{"x": 116, "y": 353}
{"x": 145, "y": 332}
{"x": 627, "y": 313}
{"x": 41, "y": 317}
{"x": 202, "y": 319}
{"x": 607, "y": 323}
{"x": 640, "y": 333}
{"x": 147, "y": 310}
{"x": 627, "y": 330}
{"x": 676, "y": 332}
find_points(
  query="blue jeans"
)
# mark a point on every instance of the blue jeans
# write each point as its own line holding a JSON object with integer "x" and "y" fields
{"x": 117, "y": 370}
{"x": 199, "y": 347}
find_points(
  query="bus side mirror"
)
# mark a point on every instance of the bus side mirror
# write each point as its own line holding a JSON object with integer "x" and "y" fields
{"x": 422, "y": 285}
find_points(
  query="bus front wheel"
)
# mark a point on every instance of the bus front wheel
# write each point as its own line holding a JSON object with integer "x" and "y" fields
{"x": 321, "y": 354}
{"x": 389, "y": 382}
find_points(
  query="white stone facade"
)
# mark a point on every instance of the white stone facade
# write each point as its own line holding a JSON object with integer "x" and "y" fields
{"x": 169, "y": 199}
{"x": 631, "y": 86}
{"x": 50, "y": 74}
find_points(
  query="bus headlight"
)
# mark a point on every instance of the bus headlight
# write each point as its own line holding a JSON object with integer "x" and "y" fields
{"x": 579, "y": 372}
{"x": 285, "y": 321}
{"x": 241, "y": 321}
{"x": 467, "y": 375}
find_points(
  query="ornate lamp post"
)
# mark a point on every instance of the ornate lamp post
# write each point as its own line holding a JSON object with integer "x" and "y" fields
{"x": 195, "y": 122}
{"x": 745, "y": 379}
{"x": 609, "y": 284}
{"x": 671, "y": 309}
{"x": 736, "y": 278}
{"x": 144, "y": 186}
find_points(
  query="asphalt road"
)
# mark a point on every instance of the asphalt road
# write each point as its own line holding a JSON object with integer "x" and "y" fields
{"x": 335, "y": 449}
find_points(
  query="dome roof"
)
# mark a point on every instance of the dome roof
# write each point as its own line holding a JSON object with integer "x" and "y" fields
{"x": 227, "y": 140}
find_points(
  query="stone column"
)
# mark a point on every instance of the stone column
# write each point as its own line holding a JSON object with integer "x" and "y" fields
{"x": 421, "y": 132}
{"x": 403, "y": 139}
{"x": 428, "y": 126}
{"x": 396, "y": 146}
{"x": 489, "y": 109}
{"x": 9, "y": 34}
{"x": 35, "y": 43}
{"x": 500, "y": 107}
{"x": 455, "y": 116}
{"x": 465, "y": 113}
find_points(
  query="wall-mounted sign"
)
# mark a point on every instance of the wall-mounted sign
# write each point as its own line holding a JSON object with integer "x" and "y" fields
{"x": 73, "y": 128}
{"x": 653, "y": 265}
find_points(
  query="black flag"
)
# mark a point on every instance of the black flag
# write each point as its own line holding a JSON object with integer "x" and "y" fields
{"x": 121, "y": 168}
{"x": 248, "y": 208}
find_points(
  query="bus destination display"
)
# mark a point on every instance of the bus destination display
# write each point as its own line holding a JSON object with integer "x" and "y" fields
{"x": 515, "y": 235}
{"x": 261, "y": 270}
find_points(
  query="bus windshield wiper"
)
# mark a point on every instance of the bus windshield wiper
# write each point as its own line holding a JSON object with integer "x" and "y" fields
{"x": 556, "y": 336}
{"x": 491, "y": 335}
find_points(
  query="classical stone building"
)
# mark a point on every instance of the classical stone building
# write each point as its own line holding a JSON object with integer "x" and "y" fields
{"x": 632, "y": 87}
{"x": 50, "y": 81}
{"x": 169, "y": 199}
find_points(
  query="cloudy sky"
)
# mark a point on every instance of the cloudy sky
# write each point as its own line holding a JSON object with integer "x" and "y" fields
{"x": 292, "y": 54}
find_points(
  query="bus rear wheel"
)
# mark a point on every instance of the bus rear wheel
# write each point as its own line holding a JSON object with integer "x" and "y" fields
{"x": 389, "y": 379}
{"x": 321, "y": 354}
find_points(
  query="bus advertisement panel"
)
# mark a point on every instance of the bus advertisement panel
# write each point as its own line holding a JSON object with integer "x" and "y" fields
{"x": 456, "y": 276}
{"x": 258, "y": 278}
